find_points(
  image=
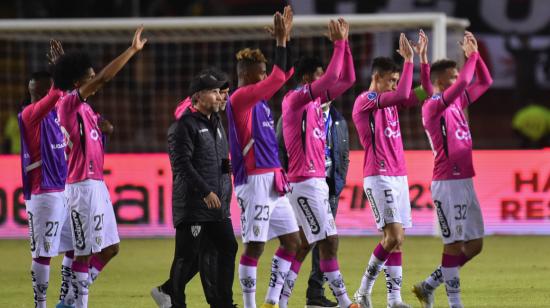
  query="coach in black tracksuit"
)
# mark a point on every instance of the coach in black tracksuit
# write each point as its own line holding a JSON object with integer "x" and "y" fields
{"x": 199, "y": 157}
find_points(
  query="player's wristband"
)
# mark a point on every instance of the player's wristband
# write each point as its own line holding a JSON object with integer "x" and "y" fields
{"x": 280, "y": 57}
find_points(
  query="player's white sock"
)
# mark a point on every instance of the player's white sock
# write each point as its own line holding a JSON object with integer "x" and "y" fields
{"x": 80, "y": 281}
{"x": 434, "y": 280}
{"x": 40, "y": 273}
{"x": 335, "y": 281}
{"x": 247, "y": 278}
{"x": 450, "y": 271}
{"x": 376, "y": 262}
{"x": 289, "y": 283}
{"x": 394, "y": 277}
{"x": 96, "y": 266}
{"x": 280, "y": 265}
{"x": 67, "y": 292}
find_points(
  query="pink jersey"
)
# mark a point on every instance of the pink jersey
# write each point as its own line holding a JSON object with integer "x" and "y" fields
{"x": 32, "y": 116}
{"x": 303, "y": 123}
{"x": 85, "y": 148}
{"x": 446, "y": 125}
{"x": 377, "y": 121}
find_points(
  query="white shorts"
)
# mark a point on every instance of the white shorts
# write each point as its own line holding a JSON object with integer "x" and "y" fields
{"x": 458, "y": 210}
{"x": 92, "y": 217}
{"x": 389, "y": 200}
{"x": 309, "y": 200}
{"x": 264, "y": 213}
{"x": 49, "y": 229}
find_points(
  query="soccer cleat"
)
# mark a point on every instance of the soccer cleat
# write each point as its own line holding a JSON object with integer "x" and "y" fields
{"x": 162, "y": 299}
{"x": 63, "y": 305}
{"x": 363, "y": 300}
{"x": 425, "y": 296}
{"x": 320, "y": 302}
{"x": 399, "y": 305}
{"x": 353, "y": 305}
{"x": 266, "y": 305}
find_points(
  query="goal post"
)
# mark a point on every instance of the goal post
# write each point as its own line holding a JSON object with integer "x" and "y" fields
{"x": 140, "y": 100}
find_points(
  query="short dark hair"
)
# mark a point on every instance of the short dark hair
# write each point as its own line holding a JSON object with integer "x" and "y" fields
{"x": 70, "y": 68}
{"x": 439, "y": 67}
{"x": 384, "y": 65}
{"x": 40, "y": 75}
{"x": 306, "y": 65}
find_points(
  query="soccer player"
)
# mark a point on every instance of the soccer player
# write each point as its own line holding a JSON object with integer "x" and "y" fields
{"x": 452, "y": 187}
{"x": 305, "y": 141}
{"x": 92, "y": 214}
{"x": 375, "y": 114}
{"x": 44, "y": 171}
{"x": 260, "y": 184}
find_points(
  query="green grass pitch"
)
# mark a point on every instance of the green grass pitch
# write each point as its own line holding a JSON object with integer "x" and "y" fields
{"x": 510, "y": 272}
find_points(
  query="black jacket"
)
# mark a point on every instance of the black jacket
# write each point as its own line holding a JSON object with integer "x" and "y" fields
{"x": 340, "y": 150}
{"x": 199, "y": 156}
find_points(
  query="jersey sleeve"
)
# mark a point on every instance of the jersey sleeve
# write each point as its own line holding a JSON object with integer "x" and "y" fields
{"x": 365, "y": 102}
{"x": 246, "y": 97}
{"x": 481, "y": 83}
{"x": 320, "y": 86}
{"x": 35, "y": 112}
{"x": 403, "y": 91}
{"x": 347, "y": 76}
{"x": 464, "y": 78}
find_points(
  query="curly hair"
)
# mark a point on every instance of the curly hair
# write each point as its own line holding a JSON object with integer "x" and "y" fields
{"x": 251, "y": 55}
{"x": 70, "y": 68}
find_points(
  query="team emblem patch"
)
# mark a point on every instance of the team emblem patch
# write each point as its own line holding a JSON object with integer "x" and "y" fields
{"x": 248, "y": 282}
{"x": 47, "y": 246}
{"x": 371, "y": 95}
{"x": 195, "y": 230}
{"x": 98, "y": 240}
{"x": 256, "y": 230}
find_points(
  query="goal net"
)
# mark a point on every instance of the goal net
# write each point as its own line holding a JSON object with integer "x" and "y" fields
{"x": 140, "y": 100}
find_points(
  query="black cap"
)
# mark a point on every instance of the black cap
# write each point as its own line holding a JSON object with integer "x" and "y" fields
{"x": 207, "y": 80}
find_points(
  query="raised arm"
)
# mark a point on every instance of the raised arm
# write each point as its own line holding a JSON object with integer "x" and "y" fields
{"x": 466, "y": 74}
{"x": 338, "y": 35}
{"x": 482, "y": 82}
{"x": 109, "y": 71}
{"x": 35, "y": 112}
{"x": 347, "y": 76}
{"x": 403, "y": 91}
{"x": 247, "y": 96}
{"x": 425, "y": 90}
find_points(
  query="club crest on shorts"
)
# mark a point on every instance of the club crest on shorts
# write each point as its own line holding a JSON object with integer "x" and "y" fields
{"x": 98, "y": 240}
{"x": 47, "y": 246}
{"x": 195, "y": 230}
{"x": 308, "y": 213}
{"x": 256, "y": 230}
{"x": 443, "y": 224}
{"x": 80, "y": 243}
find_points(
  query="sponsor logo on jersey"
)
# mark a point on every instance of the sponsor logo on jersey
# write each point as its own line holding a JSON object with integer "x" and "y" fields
{"x": 443, "y": 224}
{"x": 56, "y": 146}
{"x": 372, "y": 203}
{"x": 31, "y": 230}
{"x": 94, "y": 134}
{"x": 308, "y": 213}
{"x": 462, "y": 134}
{"x": 268, "y": 124}
{"x": 80, "y": 243}
{"x": 390, "y": 133}
{"x": 318, "y": 133}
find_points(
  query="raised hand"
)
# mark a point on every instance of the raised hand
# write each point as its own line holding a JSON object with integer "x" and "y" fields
{"x": 55, "y": 52}
{"x": 288, "y": 17}
{"x": 421, "y": 47}
{"x": 279, "y": 29}
{"x": 405, "y": 48}
{"x": 343, "y": 23}
{"x": 336, "y": 31}
{"x": 469, "y": 45}
{"x": 471, "y": 38}
{"x": 138, "y": 42}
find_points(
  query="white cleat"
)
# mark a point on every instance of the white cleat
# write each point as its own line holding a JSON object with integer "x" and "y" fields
{"x": 399, "y": 305}
{"x": 363, "y": 299}
{"x": 425, "y": 296}
{"x": 162, "y": 299}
